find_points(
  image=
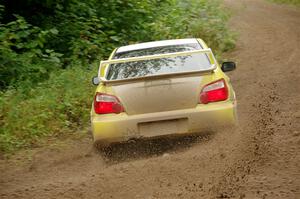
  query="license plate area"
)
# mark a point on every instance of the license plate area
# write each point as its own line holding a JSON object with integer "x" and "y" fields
{"x": 164, "y": 127}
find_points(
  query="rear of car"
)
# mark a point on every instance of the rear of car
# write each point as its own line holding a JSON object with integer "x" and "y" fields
{"x": 161, "y": 88}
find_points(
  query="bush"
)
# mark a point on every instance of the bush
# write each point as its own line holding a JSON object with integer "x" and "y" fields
{"x": 196, "y": 18}
{"x": 56, "y": 106}
{"x": 23, "y": 55}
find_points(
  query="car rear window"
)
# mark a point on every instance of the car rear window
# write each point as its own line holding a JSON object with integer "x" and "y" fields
{"x": 195, "y": 62}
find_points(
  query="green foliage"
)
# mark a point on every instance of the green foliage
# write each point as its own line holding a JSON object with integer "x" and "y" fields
{"x": 59, "y": 105}
{"x": 97, "y": 28}
{"x": 196, "y": 18}
{"x": 23, "y": 56}
{"x": 47, "y": 47}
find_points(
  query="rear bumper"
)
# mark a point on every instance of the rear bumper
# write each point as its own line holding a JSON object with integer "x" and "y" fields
{"x": 121, "y": 127}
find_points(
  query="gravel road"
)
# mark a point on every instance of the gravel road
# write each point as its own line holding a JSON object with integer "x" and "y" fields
{"x": 258, "y": 159}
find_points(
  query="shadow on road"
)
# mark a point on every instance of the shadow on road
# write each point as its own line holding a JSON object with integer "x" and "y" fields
{"x": 145, "y": 148}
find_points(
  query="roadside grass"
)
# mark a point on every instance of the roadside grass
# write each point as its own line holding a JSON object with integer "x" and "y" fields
{"x": 57, "y": 106}
{"x": 61, "y": 104}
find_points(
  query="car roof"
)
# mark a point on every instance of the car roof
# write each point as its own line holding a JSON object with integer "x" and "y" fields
{"x": 156, "y": 44}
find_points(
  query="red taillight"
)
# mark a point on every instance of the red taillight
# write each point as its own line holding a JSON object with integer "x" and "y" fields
{"x": 214, "y": 92}
{"x": 104, "y": 103}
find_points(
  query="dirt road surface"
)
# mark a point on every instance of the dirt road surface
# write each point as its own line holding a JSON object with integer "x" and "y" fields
{"x": 259, "y": 159}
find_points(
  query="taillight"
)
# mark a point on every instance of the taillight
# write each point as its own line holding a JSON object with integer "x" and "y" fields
{"x": 214, "y": 92}
{"x": 104, "y": 103}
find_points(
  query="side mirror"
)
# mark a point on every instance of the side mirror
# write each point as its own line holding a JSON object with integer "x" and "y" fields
{"x": 96, "y": 80}
{"x": 228, "y": 66}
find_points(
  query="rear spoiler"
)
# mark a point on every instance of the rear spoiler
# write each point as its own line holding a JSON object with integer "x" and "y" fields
{"x": 157, "y": 56}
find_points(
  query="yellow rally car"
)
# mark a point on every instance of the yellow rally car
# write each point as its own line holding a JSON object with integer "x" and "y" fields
{"x": 161, "y": 88}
